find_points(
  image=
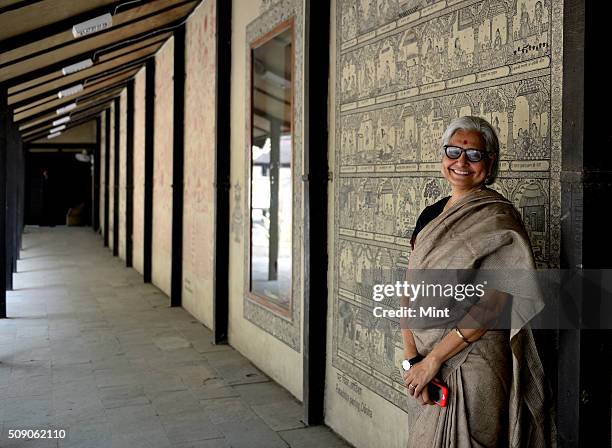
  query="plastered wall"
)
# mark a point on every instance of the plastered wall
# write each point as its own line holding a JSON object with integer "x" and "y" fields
{"x": 111, "y": 179}
{"x": 200, "y": 143}
{"x": 162, "y": 175}
{"x": 139, "y": 156}
{"x": 401, "y": 71}
{"x": 102, "y": 169}
{"x": 122, "y": 171}
{"x": 276, "y": 358}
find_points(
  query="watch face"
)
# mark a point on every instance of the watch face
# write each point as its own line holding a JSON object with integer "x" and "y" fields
{"x": 406, "y": 364}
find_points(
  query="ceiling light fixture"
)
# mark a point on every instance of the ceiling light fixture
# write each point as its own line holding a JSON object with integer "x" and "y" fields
{"x": 65, "y": 109}
{"x": 50, "y": 136}
{"x": 70, "y": 91}
{"x": 61, "y": 121}
{"x": 93, "y": 25}
{"x": 57, "y": 129}
{"x": 82, "y": 65}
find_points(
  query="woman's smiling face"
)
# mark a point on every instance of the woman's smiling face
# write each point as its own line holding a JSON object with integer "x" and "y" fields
{"x": 462, "y": 174}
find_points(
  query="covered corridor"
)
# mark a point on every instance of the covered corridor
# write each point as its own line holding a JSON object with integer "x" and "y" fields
{"x": 198, "y": 199}
{"x": 91, "y": 349}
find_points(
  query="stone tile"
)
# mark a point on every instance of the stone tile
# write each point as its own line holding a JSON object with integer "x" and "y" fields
{"x": 281, "y": 415}
{"x": 252, "y": 434}
{"x": 319, "y": 436}
{"x": 156, "y": 382}
{"x": 23, "y": 369}
{"x": 121, "y": 396}
{"x": 210, "y": 443}
{"x": 225, "y": 410}
{"x": 213, "y": 388}
{"x": 31, "y": 443}
{"x": 133, "y": 420}
{"x": 30, "y": 386}
{"x": 141, "y": 439}
{"x": 91, "y": 435}
{"x": 171, "y": 343}
{"x": 189, "y": 427}
{"x": 174, "y": 402}
{"x": 117, "y": 377}
{"x": 262, "y": 393}
{"x": 76, "y": 412}
{"x": 20, "y": 410}
{"x": 206, "y": 346}
{"x": 63, "y": 374}
{"x": 241, "y": 373}
{"x": 112, "y": 362}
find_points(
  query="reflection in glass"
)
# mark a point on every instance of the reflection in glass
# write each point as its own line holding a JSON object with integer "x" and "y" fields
{"x": 271, "y": 173}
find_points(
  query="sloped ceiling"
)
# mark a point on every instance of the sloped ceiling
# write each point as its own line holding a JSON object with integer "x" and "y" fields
{"x": 36, "y": 42}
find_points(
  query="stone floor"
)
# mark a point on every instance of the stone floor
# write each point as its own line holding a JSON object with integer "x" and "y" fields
{"x": 89, "y": 348}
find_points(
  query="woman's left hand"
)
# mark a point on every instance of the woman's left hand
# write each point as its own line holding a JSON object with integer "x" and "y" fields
{"x": 420, "y": 375}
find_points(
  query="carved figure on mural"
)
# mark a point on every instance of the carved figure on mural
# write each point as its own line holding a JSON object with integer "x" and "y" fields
{"x": 498, "y": 41}
{"x": 237, "y": 218}
{"x": 525, "y": 28}
{"x": 349, "y": 20}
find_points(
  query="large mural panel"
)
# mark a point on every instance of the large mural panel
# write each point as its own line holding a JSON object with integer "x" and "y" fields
{"x": 200, "y": 144}
{"x": 404, "y": 70}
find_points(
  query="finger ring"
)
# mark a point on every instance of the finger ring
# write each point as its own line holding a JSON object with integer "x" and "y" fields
{"x": 411, "y": 386}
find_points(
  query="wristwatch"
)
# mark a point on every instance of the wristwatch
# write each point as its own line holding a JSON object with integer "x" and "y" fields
{"x": 408, "y": 363}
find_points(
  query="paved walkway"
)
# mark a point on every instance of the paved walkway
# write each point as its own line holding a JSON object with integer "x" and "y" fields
{"x": 91, "y": 349}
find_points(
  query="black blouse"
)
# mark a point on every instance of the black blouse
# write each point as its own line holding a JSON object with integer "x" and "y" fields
{"x": 427, "y": 215}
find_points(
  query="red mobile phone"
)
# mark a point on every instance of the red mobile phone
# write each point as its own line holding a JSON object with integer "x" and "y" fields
{"x": 438, "y": 392}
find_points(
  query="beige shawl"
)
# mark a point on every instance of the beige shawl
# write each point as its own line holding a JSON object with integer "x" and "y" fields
{"x": 496, "y": 385}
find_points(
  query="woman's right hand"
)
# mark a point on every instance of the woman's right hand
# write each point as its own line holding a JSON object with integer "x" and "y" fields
{"x": 423, "y": 398}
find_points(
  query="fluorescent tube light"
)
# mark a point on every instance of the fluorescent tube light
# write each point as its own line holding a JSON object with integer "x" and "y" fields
{"x": 65, "y": 109}
{"x": 57, "y": 129}
{"x": 92, "y": 26}
{"x": 61, "y": 121}
{"x": 50, "y": 136}
{"x": 70, "y": 91}
{"x": 82, "y": 65}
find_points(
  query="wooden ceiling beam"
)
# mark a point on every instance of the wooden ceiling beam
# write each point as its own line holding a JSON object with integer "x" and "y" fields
{"x": 36, "y": 136}
{"x": 169, "y": 17}
{"x": 17, "y": 5}
{"x": 121, "y": 67}
{"x": 47, "y": 123}
{"x": 58, "y": 27}
{"x": 109, "y": 57}
{"x": 65, "y": 103}
{"x": 89, "y": 90}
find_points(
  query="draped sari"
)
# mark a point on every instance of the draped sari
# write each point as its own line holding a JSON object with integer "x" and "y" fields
{"x": 496, "y": 384}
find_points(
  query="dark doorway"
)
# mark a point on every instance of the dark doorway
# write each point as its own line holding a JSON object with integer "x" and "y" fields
{"x": 55, "y": 183}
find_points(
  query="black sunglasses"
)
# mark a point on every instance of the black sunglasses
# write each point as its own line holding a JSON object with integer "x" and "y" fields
{"x": 473, "y": 155}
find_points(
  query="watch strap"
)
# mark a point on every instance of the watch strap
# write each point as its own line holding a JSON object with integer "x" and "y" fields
{"x": 416, "y": 359}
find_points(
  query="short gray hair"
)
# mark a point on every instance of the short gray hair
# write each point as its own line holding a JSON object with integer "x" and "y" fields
{"x": 487, "y": 132}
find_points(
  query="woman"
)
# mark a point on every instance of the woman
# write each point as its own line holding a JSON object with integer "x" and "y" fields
{"x": 495, "y": 378}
